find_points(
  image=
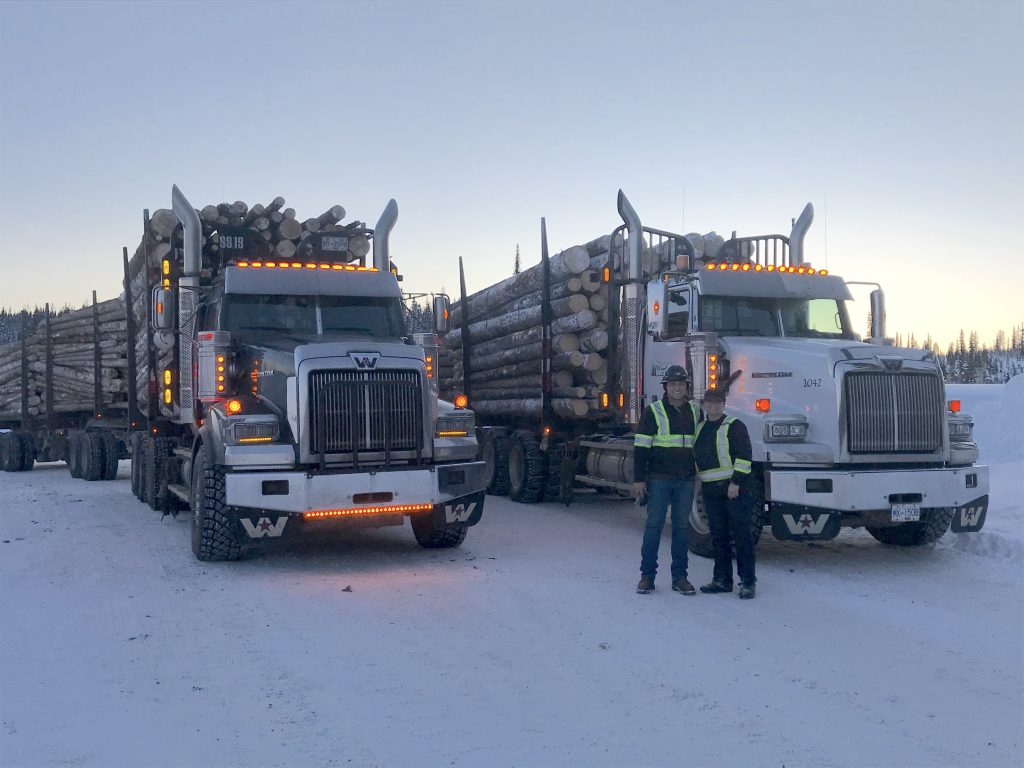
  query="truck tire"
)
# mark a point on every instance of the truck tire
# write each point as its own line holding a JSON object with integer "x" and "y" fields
{"x": 560, "y": 478}
{"x": 933, "y": 525}
{"x": 74, "y": 454}
{"x": 28, "y": 453}
{"x": 212, "y": 538}
{"x": 429, "y": 537}
{"x": 154, "y": 483}
{"x": 93, "y": 459}
{"x": 138, "y": 444}
{"x": 10, "y": 452}
{"x": 494, "y": 454}
{"x": 700, "y": 531}
{"x": 109, "y": 457}
{"x": 527, "y": 473}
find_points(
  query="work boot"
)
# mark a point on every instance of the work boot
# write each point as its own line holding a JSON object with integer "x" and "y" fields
{"x": 646, "y": 585}
{"x": 747, "y": 591}
{"x": 716, "y": 587}
{"x": 682, "y": 585}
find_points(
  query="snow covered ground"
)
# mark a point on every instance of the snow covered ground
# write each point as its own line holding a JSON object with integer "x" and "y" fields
{"x": 526, "y": 647}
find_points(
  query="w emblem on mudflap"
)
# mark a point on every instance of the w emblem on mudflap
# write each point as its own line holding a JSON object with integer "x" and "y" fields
{"x": 264, "y": 527}
{"x": 806, "y": 524}
{"x": 458, "y": 513}
{"x": 970, "y": 518}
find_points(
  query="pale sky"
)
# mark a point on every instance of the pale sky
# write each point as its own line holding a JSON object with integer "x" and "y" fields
{"x": 899, "y": 121}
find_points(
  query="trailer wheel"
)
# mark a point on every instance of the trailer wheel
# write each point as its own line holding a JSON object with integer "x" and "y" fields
{"x": 10, "y": 452}
{"x": 109, "y": 457}
{"x": 430, "y": 537}
{"x": 93, "y": 458}
{"x": 494, "y": 454}
{"x": 212, "y": 538}
{"x": 560, "y": 475}
{"x": 74, "y": 455}
{"x": 155, "y": 481}
{"x": 526, "y": 470}
{"x": 933, "y": 525}
{"x": 138, "y": 461}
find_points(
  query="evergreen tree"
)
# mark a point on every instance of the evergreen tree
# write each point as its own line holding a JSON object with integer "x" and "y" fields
{"x": 515, "y": 270}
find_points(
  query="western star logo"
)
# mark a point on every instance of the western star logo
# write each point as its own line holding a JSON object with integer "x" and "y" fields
{"x": 969, "y": 516}
{"x": 365, "y": 360}
{"x": 264, "y": 527}
{"x": 772, "y": 375}
{"x": 459, "y": 513}
{"x": 806, "y": 524}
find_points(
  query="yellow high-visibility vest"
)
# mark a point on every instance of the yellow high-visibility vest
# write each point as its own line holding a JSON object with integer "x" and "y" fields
{"x": 726, "y": 466}
{"x": 664, "y": 438}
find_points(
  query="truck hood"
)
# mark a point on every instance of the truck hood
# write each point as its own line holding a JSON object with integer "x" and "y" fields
{"x": 777, "y": 356}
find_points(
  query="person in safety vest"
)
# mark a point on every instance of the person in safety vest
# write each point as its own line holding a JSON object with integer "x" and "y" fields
{"x": 663, "y": 472}
{"x": 722, "y": 454}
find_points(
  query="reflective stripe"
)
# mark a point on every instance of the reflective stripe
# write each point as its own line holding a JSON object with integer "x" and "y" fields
{"x": 665, "y": 438}
{"x": 725, "y": 467}
{"x": 642, "y": 441}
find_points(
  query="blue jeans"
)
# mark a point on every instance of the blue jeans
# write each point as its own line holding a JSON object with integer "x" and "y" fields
{"x": 660, "y": 494}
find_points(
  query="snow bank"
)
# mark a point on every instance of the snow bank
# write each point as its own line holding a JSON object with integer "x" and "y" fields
{"x": 998, "y": 413}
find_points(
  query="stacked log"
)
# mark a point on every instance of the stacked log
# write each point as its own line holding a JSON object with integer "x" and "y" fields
{"x": 505, "y": 331}
{"x": 283, "y": 231}
{"x": 72, "y": 364}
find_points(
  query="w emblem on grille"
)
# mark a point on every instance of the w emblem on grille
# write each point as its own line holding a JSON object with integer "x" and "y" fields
{"x": 365, "y": 360}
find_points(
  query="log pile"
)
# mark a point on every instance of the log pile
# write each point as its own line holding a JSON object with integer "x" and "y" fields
{"x": 73, "y": 364}
{"x": 505, "y": 332}
{"x": 283, "y": 231}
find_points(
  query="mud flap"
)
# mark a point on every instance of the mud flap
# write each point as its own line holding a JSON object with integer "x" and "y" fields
{"x": 269, "y": 526}
{"x": 794, "y": 521}
{"x": 465, "y": 510}
{"x": 970, "y": 517}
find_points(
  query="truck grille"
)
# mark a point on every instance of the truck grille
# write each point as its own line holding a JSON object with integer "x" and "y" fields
{"x": 894, "y": 412}
{"x": 352, "y": 411}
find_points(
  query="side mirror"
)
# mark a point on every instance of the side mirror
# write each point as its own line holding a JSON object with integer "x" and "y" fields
{"x": 657, "y": 309}
{"x": 163, "y": 306}
{"x": 878, "y": 314}
{"x": 442, "y": 313}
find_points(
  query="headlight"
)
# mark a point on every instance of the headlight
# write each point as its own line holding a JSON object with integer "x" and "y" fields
{"x": 462, "y": 425}
{"x": 961, "y": 430}
{"x": 790, "y": 429}
{"x": 250, "y": 429}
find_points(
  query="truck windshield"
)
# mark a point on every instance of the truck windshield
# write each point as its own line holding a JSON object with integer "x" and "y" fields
{"x": 759, "y": 316}
{"x": 250, "y": 316}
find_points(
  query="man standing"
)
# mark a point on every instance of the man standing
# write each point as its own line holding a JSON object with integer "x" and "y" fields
{"x": 722, "y": 454}
{"x": 663, "y": 471}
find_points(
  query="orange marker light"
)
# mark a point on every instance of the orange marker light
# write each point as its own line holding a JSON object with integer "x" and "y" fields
{"x": 606, "y": 275}
{"x": 758, "y": 267}
{"x": 461, "y": 401}
{"x": 711, "y": 267}
{"x": 233, "y": 406}
{"x": 763, "y": 405}
{"x": 771, "y": 267}
{"x": 954, "y": 406}
{"x": 822, "y": 272}
{"x": 657, "y": 307}
{"x": 746, "y": 267}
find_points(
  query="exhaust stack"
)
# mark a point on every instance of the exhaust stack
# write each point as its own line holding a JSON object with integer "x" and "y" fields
{"x": 381, "y": 233}
{"x": 631, "y": 309}
{"x": 796, "y": 237}
{"x": 193, "y": 258}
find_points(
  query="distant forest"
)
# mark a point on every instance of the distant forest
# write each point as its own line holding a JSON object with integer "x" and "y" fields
{"x": 965, "y": 361}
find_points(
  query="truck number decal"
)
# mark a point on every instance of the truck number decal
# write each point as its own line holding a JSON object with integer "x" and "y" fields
{"x": 812, "y": 382}
{"x": 232, "y": 242}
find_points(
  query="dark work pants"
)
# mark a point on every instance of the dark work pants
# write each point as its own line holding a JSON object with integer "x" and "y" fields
{"x": 730, "y": 521}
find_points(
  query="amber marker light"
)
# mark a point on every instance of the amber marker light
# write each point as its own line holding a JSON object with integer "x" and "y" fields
{"x": 746, "y": 267}
{"x": 398, "y": 508}
{"x": 735, "y": 267}
{"x": 758, "y": 268}
{"x": 770, "y": 267}
{"x": 233, "y": 406}
{"x": 606, "y": 275}
{"x": 954, "y": 406}
{"x": 604, "y": 399}
{"x": 461, "y": 401}
{"x": 822, "y": 272}
{"x": 763, "y": 405}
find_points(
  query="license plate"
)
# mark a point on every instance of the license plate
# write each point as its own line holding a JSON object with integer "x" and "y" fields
{"x": 906, "y": 513}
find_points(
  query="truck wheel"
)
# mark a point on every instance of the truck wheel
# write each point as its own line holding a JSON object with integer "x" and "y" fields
{"x": 93, "y": 460}
{"x": 28, "y": 453}
{"x": 10, "y": 452}
{"x": 526, "y": 470}
{"x": 74, "y": 454}
{"x": 138, "y": 461}
{"x": 109, "y": 457}
{"x": 560, "y": 477}
{"x": 429, "y": 537}
{"x": 212, "y": 538}
{"x": 494, "y": 454}
{"x": 933, "y": 525}
{"x": 154, "y": 482}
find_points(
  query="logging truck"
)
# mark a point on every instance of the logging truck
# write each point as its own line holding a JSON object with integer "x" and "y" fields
{"x": 845, "y": 432}
{"x": 281, "y": 393}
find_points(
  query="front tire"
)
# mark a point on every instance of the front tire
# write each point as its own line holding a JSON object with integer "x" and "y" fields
{"x": 93, "y": 459}
{"x": 429, "y": 536}
{"x": 494, "y": 454}
{"x": 526, "y": 470}
{"x": 932, "y": 527}
{"x": 212, "y": 538}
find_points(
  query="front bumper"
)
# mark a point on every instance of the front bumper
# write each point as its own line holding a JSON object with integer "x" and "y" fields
{"x": 299, "y": 492}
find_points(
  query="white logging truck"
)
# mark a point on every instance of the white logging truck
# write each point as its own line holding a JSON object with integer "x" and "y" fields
{"x": 845, "y": 432}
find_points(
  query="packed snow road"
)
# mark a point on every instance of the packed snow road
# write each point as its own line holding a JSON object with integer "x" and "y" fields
{"x": 526, "y": 647}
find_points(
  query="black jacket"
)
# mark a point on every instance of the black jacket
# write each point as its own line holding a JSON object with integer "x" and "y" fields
{"x": 705, "y": 452}
{"x": 659, "y": 463}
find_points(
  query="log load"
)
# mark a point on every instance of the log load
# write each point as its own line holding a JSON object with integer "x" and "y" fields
{"x": 506, "y": 334}
{"x": 72, "y": 364}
